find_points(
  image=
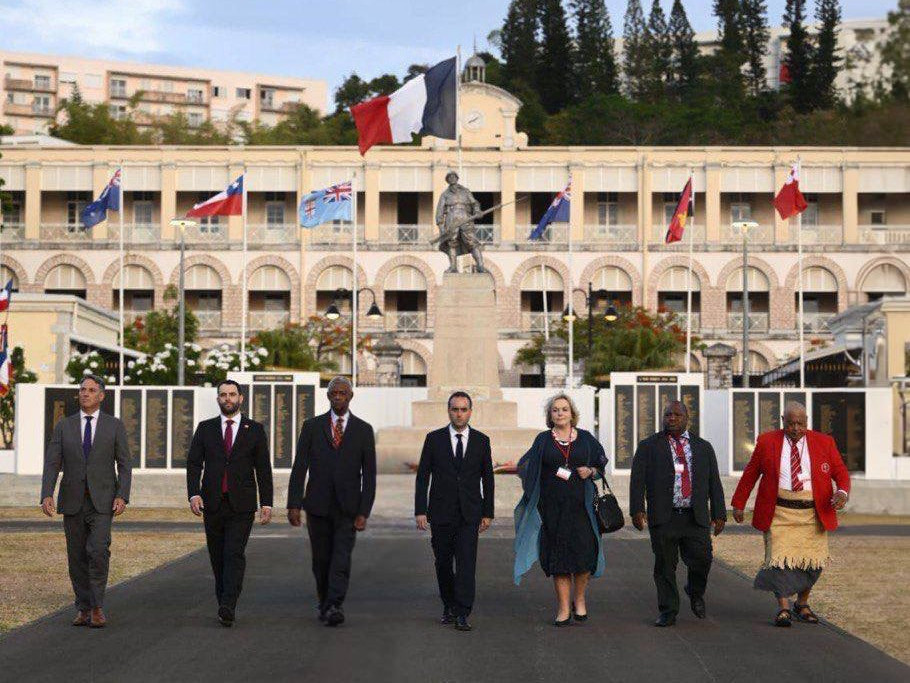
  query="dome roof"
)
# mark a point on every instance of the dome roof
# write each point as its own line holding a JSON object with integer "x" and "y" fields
{"x": 475, "y": 60}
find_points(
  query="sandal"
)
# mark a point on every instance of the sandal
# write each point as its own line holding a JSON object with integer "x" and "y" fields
{"x": 784, "y": 618}
{"x": 807, "y": 616}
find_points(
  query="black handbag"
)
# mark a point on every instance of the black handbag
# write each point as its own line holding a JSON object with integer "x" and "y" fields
{"x": 606, "y": 509}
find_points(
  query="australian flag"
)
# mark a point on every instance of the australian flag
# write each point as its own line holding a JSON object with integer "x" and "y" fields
{"x": 557, "y": 213}
{"x": 109, "y": 200}
{"x": 323, "y": 206}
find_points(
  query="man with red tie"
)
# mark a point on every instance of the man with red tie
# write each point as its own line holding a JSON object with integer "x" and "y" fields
{"x": 676, "y": 472}
{"x": 230, "y": 455}
{"x": 796, "y": 505}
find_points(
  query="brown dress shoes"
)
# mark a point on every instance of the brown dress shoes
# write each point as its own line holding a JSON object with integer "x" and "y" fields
{"x": 82, "y": 618}
{"x": 98, "y": 620}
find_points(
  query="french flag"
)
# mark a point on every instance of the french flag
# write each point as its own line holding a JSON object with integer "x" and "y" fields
{"x": 226, "y": 203}
{"x": 6, "y": 295}
{"x": 6, "y": 365}
{"x": 424, "y": 105}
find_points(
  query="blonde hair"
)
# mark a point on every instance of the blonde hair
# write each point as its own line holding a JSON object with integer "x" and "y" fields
{"x": 549, "y": 407}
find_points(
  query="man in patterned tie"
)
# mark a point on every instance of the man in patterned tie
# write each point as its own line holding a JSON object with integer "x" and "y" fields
{"x": 338, "y": 452}
{"x": 230, "y": 454}
{"x": 795, "y": 507}
{"x": 677, "y": 514}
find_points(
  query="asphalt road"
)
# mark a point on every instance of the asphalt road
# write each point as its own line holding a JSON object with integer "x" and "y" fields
{"x": 162, "y": 627}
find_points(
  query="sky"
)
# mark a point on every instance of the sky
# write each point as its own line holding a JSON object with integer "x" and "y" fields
{"x": 303, "y": 38}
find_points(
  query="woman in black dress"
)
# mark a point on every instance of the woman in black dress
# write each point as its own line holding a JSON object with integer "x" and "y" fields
{"x": 558, "y": 474}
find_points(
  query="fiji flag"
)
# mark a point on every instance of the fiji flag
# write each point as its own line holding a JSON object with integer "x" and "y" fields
{"x": 322, "y": 206}
{"x": 109, "y": 200}
{"x": 557, "y": 213}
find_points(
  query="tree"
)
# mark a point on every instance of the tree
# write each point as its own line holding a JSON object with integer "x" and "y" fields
{"x": 531, "y": 354}
{"x": 635, "y": 60}
{"x": 825, "y": 61}
{"x": 798, "y": 60}
{"x": 595, "y": 61}
{"x": 154, "y": 331}
{"x": 518, "y": 41}
{"x": 6, "y": 129}
{"x": 728, "y": 61}
{"x": 93, "y": 124}
{"x": 293, "y": 347}
{"x": 351, "y": 91}
{"x": 414, "y": 70}
{"x": 175, "y": 129}
{"x": 755, "y": 34}
{"x": 556, "y": 58}
{"x": 659, "y": 51}
{"x": 684, "y": 50}
{"x": 896, "y": 51}
{"x": 385, "y": 84}
{"x": 19, "y": 374}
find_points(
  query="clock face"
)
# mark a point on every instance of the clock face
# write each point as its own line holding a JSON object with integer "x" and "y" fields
{"x": 473, "y": 120}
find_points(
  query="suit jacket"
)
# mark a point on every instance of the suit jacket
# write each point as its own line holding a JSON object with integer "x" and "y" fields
{"x": 345, "y": 476}
{"x": 109, "y": 448}
{"x": 249, "y": 465}
{"x": 653, "y": 477}
{"x": 455, "y": 494}
{"x": 826, "y": 464}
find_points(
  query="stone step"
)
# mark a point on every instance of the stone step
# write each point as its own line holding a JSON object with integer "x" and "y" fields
{"x": 486, "y": 414}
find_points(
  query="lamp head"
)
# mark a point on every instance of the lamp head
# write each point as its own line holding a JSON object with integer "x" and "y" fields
{"x": 611, "y": 315}
{"x": 374, "y": 313}
{"x": 567, "y": 315}
{"x": 332, "y": 312}
{"x": 182, "y": 223}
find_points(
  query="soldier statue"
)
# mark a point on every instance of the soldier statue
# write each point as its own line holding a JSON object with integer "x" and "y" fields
{"x": 455, "y": 214}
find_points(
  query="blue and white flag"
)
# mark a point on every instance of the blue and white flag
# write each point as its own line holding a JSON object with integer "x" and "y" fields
{"x": 557, "y": 213}
{"x": 322, "y": 206}
{"x": 109, "y": 200}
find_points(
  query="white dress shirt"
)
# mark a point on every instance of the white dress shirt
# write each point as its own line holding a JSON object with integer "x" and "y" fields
{"x": 785, "y": 481}
{"x": 464, "y": 438}
{"x": 335, "y": 418}
{"x": 236, "y": 419}
{"x": 93, "y": 422}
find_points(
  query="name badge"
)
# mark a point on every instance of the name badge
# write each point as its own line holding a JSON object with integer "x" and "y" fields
{"x": 678, "y": 467}
{"x": 804, "y": 477}
{"x": 564, "y": 473}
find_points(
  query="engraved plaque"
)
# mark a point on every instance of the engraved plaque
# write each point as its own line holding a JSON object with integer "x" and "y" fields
{"x": 798, "y": 396}
{"x": 624, "y": 426}
{"x": 131, "y": 415}
{"x": 306, "y": 403}
{"x": 689, "y": 395}
{"x": 283, "y": 444}
{"x": 743, "y": 428}
{"x": 769, "y": 411}
{"x": 60, "y": 402}
{"x": 262, "y": 406}
{"x": 647, "y": 408}
{"x": 842, "y": 415}
{"x": 665, "y": 394}
{"x": 156, "y": 421}
{"x": 181, "y": 425}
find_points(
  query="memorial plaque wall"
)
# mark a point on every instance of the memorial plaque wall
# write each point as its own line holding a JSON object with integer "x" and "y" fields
{"x": 689, "y": 395}
{"x": 624, "y": 426}
{"x": 131, "y": 415}
{"x": 665, "y": 394}
{"x": 262, "y": 406}
{"x": 183, "y": 401}
{"x": 60, "y": 402}
{"x": 842, "y": 415}
{"x": 283, "y": 443}
{"x": 306, "y": 404}
{"x": 647, "y": 410}
{"x": 743, "y": 428}
{"x": 156, "y": 428}
{"x": 769, "y": 412}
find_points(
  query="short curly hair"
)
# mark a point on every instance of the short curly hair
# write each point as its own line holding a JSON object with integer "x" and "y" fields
{"x": 549, "y": 407}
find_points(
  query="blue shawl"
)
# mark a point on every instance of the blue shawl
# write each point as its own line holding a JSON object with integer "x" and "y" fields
{"x": 527, "y": 518}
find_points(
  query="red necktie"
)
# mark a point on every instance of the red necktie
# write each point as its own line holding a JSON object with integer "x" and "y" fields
{"x": 338, "y": 432}
{"x": 685, "y": 482}
{"x": 228, "y": 445}
{"x": 796, "y": 467}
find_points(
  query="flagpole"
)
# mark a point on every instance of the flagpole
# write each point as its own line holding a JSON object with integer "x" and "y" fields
{"x": 689, "y": 274}
{"x": 571, "y": 384}
{"x": 122, "y": 274}
{"x": 799, "y": 261}
{"x": 546, "y": 311}
{"x": 458, "y": 110}
{"x": 354, "y": 271}
{"x": 243, "y": 304}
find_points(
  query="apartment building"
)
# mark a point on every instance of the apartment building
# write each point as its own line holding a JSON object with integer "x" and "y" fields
{"x": 33, "y": 86}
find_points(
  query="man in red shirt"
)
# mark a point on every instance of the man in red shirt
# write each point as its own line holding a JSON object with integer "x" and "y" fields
{"x": 796, "y": 505}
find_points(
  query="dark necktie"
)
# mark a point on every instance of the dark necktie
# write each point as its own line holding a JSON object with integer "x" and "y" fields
{"x": 459, "y": 451}
{"x": 87, "y": 437}
{"x": 338, "y": 432}
{"x": 685, "y": 480}
{"x": 796, "y": 467}
{"x": 228, "y": 445}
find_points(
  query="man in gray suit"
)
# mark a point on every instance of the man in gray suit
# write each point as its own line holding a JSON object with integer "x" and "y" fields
{"x": 87, "y": 445}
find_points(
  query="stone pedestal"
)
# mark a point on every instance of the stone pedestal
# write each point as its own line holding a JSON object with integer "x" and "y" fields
{"x": 719, "y": 361}
{"x": 388, "y": 361}
{"x": 556, "y": 362}
{"x": 465, "y": 358}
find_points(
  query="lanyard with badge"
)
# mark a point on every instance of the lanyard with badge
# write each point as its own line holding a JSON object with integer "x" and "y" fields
{"x": 804, "y": 476}
{"x": 564, "y": 472}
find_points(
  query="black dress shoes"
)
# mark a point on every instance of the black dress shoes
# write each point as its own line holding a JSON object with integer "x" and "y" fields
{"x": 698, "y": 607}
{"x": 461, "y": 624}
{"x": 448, "y": 617}
{"x": 334, "y": 616}
{"x": 225, "y": 616}
{"x": 665, "y": 619}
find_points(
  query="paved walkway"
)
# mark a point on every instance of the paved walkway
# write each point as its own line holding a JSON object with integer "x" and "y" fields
{"x": 162, "y": 627}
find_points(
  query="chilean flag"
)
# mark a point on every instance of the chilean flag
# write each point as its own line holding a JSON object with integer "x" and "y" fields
{"x": 6, "y": 294}
{"x": 226, "y": 203}
{"x": 424, "y": 105}
{"x": 790, "y": 201}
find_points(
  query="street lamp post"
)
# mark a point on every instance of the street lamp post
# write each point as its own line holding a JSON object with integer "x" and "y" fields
{"x": 332, "y": 313}
{"x": 745, "y": 227}
{"x": 181, "y": 224}
{"x": 610, "y": 315}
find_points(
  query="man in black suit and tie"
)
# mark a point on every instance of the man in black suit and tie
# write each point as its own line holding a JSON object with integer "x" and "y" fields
{"x": 338, "y": 452}
{"x": 230, "y": 455}
{"x": 677, "y": 473}
{"x": 460, "y": 464}
{"x": 87, "y": 446}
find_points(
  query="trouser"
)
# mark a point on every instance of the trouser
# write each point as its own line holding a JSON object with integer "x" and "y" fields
{"x": 331, "y": 543}
{"x": 680, "y": 537}
{"x": 226, "y": 534}
{"x": 88, "y": 553}
{"x": 455, "y": 550}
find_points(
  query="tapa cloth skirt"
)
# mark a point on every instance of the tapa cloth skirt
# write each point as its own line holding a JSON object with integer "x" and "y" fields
{"x": 796, "y": 547}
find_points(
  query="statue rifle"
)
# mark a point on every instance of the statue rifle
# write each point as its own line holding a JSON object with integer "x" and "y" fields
{"x": 450, "y": 232}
